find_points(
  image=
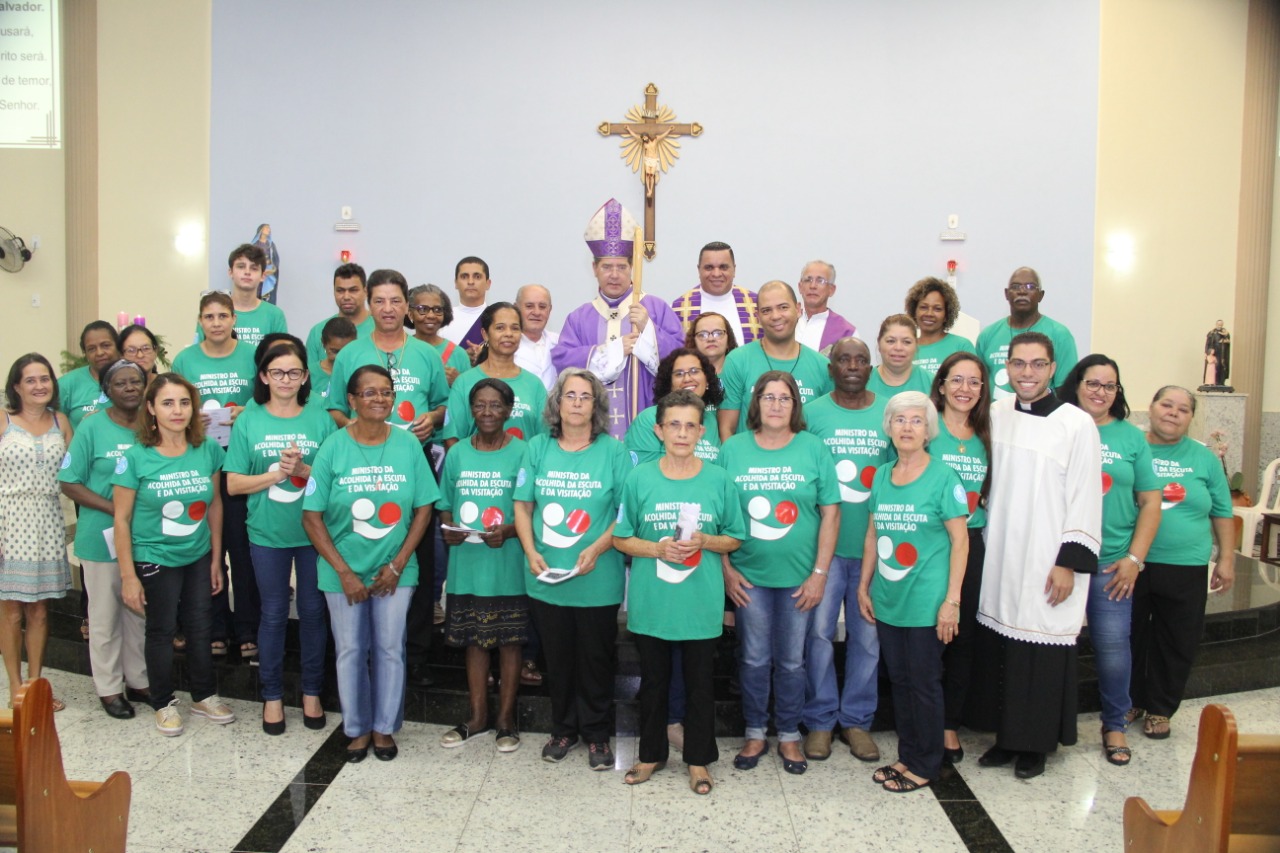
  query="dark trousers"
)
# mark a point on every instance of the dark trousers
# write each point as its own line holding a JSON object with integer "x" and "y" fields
{"x": 1168, "y": 619}
{"x": 580, "y": 645}
{"x": 420, "y": 622}
{"x": 957, "y": 660}
{"x": 240, "y": 626}
{"x": 172, "y": 591}
{"x": 656, "y": 682}
{"x": 913, "y": 657}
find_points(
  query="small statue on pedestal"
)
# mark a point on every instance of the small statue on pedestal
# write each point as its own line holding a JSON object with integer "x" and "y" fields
{"x": 1217, "y": 360}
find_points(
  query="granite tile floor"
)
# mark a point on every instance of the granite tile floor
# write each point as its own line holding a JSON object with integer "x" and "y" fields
{"x": 232, "y": 788}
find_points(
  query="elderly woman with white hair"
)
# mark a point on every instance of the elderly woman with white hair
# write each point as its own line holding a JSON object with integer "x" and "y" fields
{"x": 918, "y": 542}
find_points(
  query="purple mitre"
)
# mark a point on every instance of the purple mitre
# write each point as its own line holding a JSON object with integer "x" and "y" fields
{"x": 609, "y": 232}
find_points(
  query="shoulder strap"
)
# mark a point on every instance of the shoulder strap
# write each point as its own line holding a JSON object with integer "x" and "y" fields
{"x": 448, "y": 351}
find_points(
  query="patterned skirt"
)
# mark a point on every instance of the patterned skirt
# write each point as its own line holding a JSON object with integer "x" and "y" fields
{"x": 487, "y": 622}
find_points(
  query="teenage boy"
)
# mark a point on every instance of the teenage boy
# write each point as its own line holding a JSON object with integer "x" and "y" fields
{"x": 255, "y": 319}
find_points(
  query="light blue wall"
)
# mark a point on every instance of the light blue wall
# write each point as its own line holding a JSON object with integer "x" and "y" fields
{"x": 842, "y": 130}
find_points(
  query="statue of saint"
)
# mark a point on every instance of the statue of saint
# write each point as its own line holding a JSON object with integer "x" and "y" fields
{"x": 1217, "y": 357}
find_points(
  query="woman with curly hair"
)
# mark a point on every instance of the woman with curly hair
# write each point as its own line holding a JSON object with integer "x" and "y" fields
{"x": 934, "y": 305}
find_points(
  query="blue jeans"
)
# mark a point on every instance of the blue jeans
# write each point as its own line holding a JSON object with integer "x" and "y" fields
{"x": 271, "y": 567}
{"x": 369, "y": 638}
{"x": 772, "y": 634}
{"x": 854, "y": 706}
{"x": 1109, "y": 623}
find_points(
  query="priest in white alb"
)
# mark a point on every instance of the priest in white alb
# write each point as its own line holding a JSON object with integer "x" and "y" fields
{"x": 1044, "y": 528}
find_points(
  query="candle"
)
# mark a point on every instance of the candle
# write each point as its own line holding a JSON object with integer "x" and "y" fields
{"x": 139, "y": 320}
{"x": 122, "y": 320}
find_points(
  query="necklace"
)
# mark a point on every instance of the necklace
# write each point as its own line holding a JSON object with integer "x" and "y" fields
{"x": 381, "y": 451}
{"x": 773, "y": 366}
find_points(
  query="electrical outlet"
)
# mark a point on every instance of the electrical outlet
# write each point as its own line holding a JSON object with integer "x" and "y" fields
{"x": 346, "y": 213}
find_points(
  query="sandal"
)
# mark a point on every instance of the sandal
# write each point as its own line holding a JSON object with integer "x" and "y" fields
{"x": 248, "y": 651}
{"x": 57, "y": 704}
{"x": 1134, "y": 714}
{"x": 218, "y": 647}
{"x": 700, "y": 784}
{"x": 1156, "y": 727}
{"x": 904, "y": 784}
{"x": 641, "y": 773}
{"x": 884, "y": 774}
{"x": 84, "y": 630}
{"x": 1117, "y": 755}
{"x": 529, "y": 675}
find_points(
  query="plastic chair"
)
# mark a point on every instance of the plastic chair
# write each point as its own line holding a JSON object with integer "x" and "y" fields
{"x": 1252, "y": 515}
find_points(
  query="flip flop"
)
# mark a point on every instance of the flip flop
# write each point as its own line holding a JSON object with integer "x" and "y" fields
{"x": 1156, "y": 727}
{"x": 904, "y": 785}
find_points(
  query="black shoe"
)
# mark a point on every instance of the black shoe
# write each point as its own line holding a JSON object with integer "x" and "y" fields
{"x": 276, "y": 728}
{"x": 952, "y": 756}
{"x": 386, "y": 753}
{"x": 143, "y": 695}
{"x": 996, "y": 757}
{"x": 419, "y": 676}
{"x": 355, "y": 756}
{"x": 1029, "y": 766}
{"x": 117, "y": 707}
{"x": 316, "y": 723}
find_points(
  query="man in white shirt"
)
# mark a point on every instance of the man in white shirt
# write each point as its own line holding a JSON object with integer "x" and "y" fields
{"x": 536, "y": 340}
{"x": 471, "y": 277}
{"x": 819, "y": 326}
{"x": 716, "y": 293}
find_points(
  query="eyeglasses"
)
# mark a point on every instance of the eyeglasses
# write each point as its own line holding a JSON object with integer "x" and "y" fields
{"x": 1109, "y": 388}
{"x": 293, "y": 374}
{"x": 692, "y": 373}
{"x": 574, "y": 397}
{"x": 145, "y": 349}
{"x": 903, "y": 420}
{"x": 1039, "y": 365}
{"x": 427, "y": 309}
{"x": 959, "y": 382}
{"x": 1023, "y": 287}
{"x": 710, "y": 335}
{"x": 783, "y": 400}
{"x": 816, "y": 279}
{"x": 392, "y": 361}
{"x": 376, "y": 394}
{"x": 680, "y": 426}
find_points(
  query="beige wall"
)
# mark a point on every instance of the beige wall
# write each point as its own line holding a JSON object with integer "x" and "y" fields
{"x": 1171, "y": 93}
{"x": 153, "y": 116}
{"x": 33, "y": 206}
{"x": 1271, "y": 380}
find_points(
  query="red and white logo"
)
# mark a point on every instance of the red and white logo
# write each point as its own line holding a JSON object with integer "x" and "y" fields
{"x": 785, "y": 513}
{"x": 174, "y": 510}
{"x": 1173, "y": 495}
{"x": 904, "y": 555}
{"x": 363, "y": 510}
{"x": 577, "y": 522}
{"x": 277, "y": 492}
{"x": 855, "y": 485}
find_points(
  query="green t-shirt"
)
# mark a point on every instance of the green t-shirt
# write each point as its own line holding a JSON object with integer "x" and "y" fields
{"x": 252, "y": 326}
{"x": 970, "y": 463}
{"x": 575, "y": 498}
{"x": 79, "y": 394}
{"x": 368, "y": 494}
{"x": 1193, "y": 489}
{"x": 644, "y": 445}
{"x": 458, "y": 358}
{"x": 913, "y": 549}
{"x": 526, "y": 415}
{"x": 319, "y": 385}
{"x": 780, "y": 492}
{"x": 170, "y": 524}
{"x": 315, "y": 340}
{"x": 257, "y": 440}
{"x": 95, "y": 450}
{"x": 918, "y": 379}
{"x": 418, "y": 376}
{"x": 931, "y": 356}
{"x": 684, "y": 601}
{"x": 222, "y": 381}
{"x": 743, "y": 367}
{"x": 478, "y": 488}
{"x": 856, "y": 440}
{"x": 1126, "y": 470}
{"x": 993, "y": 348}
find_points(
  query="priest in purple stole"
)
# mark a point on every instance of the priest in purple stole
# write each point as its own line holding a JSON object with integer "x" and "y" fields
{"x": 618, "y": 340}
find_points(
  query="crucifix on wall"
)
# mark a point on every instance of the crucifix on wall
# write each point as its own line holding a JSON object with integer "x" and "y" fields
{"x": 649, "y": 146}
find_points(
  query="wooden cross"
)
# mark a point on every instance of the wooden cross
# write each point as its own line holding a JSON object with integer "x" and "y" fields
{"x": 649, "y": 147}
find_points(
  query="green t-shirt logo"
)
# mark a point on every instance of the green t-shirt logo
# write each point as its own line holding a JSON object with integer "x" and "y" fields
{"x": 785, "y": 513}
{"x": 363, "y": 510}
{"x": 577, "y": 522}
{"x": 174, "y": 510}
{"x": 855, "y": 485}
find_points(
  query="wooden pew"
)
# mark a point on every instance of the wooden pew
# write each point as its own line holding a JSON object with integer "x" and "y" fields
{"x": 40, "y": 810}
{"x": 1233, "y": 798}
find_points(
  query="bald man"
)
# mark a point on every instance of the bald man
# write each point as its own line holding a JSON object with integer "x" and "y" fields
{"x": 1024, "y": 294}
{"x": 536, "y": 340}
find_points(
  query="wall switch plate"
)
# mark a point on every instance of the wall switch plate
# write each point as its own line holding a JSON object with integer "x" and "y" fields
{"x": 346, "y": 212}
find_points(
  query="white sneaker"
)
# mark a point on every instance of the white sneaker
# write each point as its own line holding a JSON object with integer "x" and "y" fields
{"x": 215, "y": 709}
{"x": 168, "y": 720}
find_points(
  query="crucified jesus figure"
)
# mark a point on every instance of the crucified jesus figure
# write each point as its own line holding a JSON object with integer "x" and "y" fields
{"x": 651, "y": 162}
